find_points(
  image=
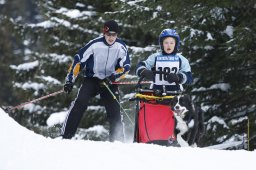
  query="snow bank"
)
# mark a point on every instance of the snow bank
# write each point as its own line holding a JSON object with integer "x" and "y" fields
{"x": 22, "y": 149}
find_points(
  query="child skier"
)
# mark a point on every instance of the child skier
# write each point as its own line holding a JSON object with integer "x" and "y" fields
{"x": 172, "y": 67}
{"x": 168, "y": 70}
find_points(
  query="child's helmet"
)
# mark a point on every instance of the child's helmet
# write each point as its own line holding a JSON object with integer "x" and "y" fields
{"x": 169, "y": 33}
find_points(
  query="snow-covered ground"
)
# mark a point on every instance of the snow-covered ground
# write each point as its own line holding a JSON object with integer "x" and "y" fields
{"x": 22, "y": 149}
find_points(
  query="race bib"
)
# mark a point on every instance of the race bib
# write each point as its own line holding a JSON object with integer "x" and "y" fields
{"x": 166, "y": 65}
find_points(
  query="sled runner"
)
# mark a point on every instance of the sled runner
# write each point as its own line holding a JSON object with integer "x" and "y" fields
{"x": 154, "y": 121}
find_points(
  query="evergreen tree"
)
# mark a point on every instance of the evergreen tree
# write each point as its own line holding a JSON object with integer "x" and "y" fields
{"x": 63, "y": 29}
{"x": 219, "y": 43}
{"x": 12, "y": 45}
{"x": 218, "y": 38}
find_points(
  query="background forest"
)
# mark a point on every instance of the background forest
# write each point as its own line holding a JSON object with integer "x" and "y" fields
{"x": 40, "y": 38}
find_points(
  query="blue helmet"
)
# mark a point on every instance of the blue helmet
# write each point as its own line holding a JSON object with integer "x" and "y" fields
{"x": 169, "y": 33}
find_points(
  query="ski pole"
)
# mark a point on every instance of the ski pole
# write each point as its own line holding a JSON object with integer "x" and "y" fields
{"x": 248, "y": 133}
{"x": 131, "y": 82}
{"x": 11, "y": 108}
{"x": 117, "y": 102}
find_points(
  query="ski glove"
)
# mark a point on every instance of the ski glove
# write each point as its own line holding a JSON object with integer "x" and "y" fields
{"x": 176, "y": 78}
{"x": 108, "y": 80}
{"x": 148, "y": 74}
{"x": 68, "y": 87}
{"x": 112, "y": 78}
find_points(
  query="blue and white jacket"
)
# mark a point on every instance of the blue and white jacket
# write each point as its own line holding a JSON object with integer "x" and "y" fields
{"x": 172, "y": 63}
{"x": 99, "y": 59}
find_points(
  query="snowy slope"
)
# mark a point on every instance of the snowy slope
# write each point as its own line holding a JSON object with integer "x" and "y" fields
{"x": 22, "y": 149}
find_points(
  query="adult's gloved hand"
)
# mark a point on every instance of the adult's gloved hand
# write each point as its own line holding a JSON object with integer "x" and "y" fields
{"x": 68, "y": 86}
{"x": 110, "y": 79}
{"x": 148, "y": 74}
{"x": 176, "y": 78}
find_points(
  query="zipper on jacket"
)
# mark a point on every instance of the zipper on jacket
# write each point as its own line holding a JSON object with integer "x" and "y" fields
{"x": 106, "y": 62}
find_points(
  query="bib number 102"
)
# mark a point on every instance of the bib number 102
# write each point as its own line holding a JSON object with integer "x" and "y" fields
{"x": 164, "y": 71}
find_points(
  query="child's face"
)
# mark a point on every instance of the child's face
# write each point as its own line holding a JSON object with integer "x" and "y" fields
{"x": 169, "y": 44}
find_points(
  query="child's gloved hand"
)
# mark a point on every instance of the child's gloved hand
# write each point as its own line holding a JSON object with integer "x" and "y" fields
{"x": 176, "y": 78}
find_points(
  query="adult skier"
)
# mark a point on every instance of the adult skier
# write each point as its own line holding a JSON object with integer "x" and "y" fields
{"x": 98, "y": 60}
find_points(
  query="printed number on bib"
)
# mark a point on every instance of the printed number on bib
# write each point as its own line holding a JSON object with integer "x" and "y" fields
{"x": 166, "y": 65}
{"x": 165, "y": 71}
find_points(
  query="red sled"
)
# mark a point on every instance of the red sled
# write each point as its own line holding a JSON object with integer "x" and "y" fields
{"x": 155, "y": 123}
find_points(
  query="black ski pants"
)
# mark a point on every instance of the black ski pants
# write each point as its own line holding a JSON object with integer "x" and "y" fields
{"x": 90, "y": 88}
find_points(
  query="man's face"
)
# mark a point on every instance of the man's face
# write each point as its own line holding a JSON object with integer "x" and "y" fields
{"x": 169, "y": 45}
{"x": 110, "y": 37}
